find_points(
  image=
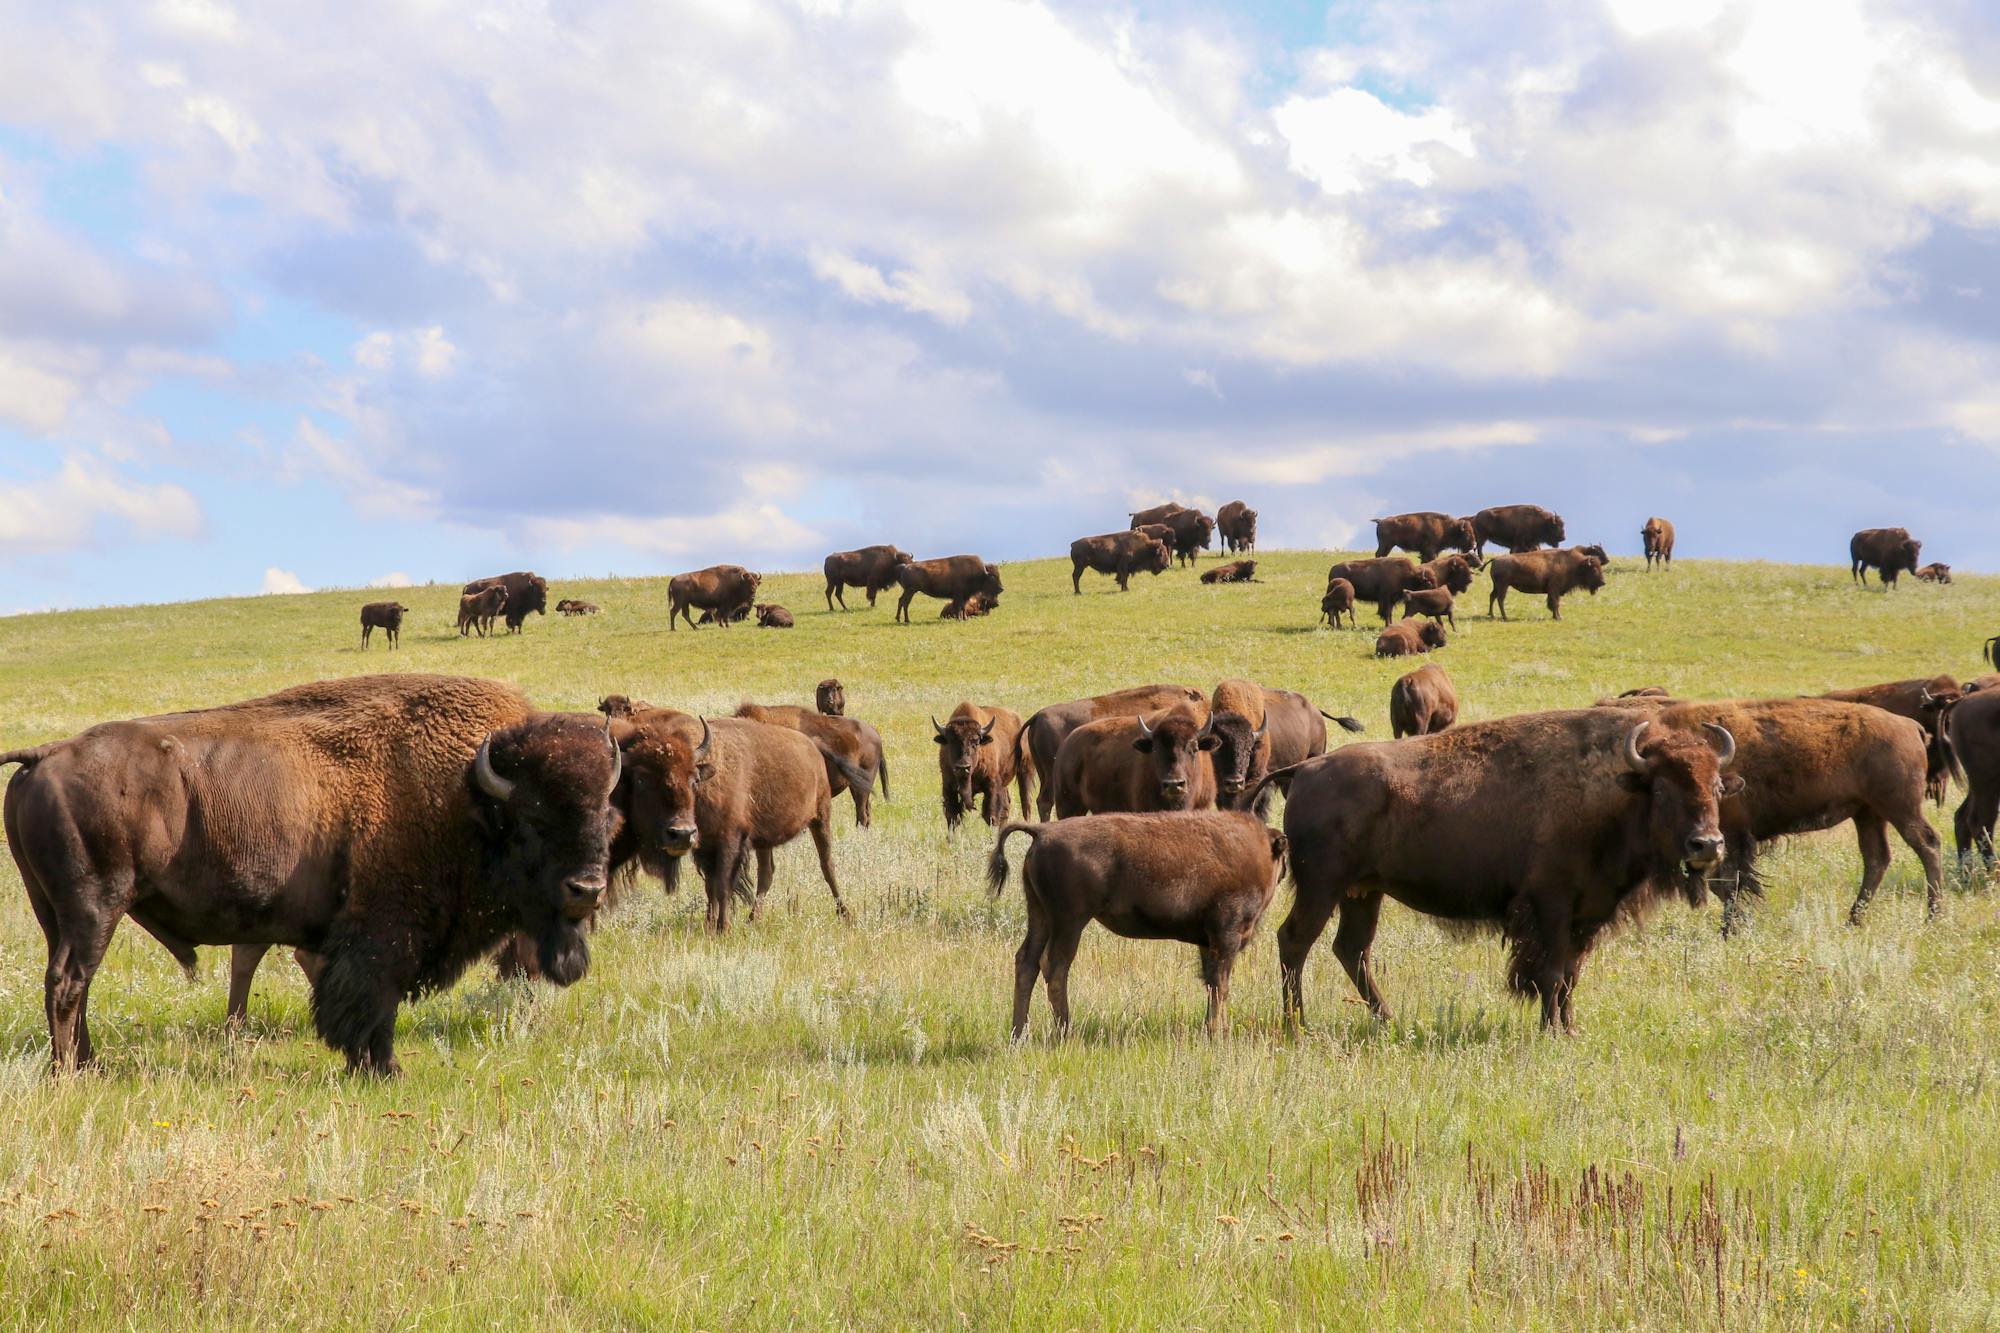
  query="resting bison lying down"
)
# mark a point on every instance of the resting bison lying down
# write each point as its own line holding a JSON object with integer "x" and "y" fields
{"x": 831, "y": 697}
{"x": 571, "y": 606}
{"x": 1204, "y": 878}
{"x": 772, "y": 616}
{"x": 979, "y": 604}
{"x": 1935, "y": 572}
{"x": 1236, "y": 571}
{"x": 1408, "y": 638}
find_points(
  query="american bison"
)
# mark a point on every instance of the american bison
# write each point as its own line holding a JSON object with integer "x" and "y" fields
{"x": 1549, "y": 826}
{"x": 726, "y": 592}
{"x": 1453, "y": 573}
{"x": 1339, "y": 600}
{"x": 954, "y": 578}
{"x": 1517, "y": 527}
{"x": 1237, "y": 522}
{"x": 1258, "y": 731}
{"x": 1658, "y": 536}
{"x": 1926, "y": 701}
{"x": 1891, "y": 551}
{"x": 872, "y": 569}
{"x": 1935, "y": 572}
{"x": 979, "y": 604}
{"x": 1553, "y": 573}
{"x": 1192, "y": 530}
{"x": 1044, "y": 732}
{"x": 571, "y": 606}
{"x": 1407, "y": 638}
{"x": 1382, "y": 581}
{"x": 526, "y": 591}
{"x": 478, "y": 610}
{"x": 735, "y": 615}
{"x": 1157, "y": 514}
{"x": 978, "y": 757}
{"x": 1975, "y": 737}
{"x": 1136, "y": 764}
{"x": 850, "y": 745}
{"x": 1422, "y": 702}
{"x": 396, "y": 827}
{"x": 1424, "y": 534}
{"x": 1236, "y": 571}
{"x": 1596, "y": 552}
{"x": 772, "y": 616}
{"x": 830, "y": 697}
{"x": 1204, "y": 878}
{"x": 1433, "y": 602}
{"x": 385, "y": 616}
{"x": 1119, "y": 554}
{"x": 1159, "y": 532}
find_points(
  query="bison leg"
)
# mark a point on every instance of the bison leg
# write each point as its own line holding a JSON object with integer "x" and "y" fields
{"x": 766, "y": 870}
{"x": 1874, "y": 837}
{"x": 1216, "y": 962}
{"x": 1028, "y": 964}
{"x": 1352, "y": 943}
{"x": 354, "y": 1002}
{"x": 903, "y": 605}
{"x": 1312, "y": 904}
{"x": 1076, "y": 578}
{"x": 996, "y": 810}
{"x": 1452, "y": 616}
{"x": 1922, "y": 839}
{"x": 953, "y": 811}
{"x": 1973, "y": 825}
{"x": 1497, "y": 597}
{"x": 1387, "y": 610}
{"x": 823, "y": 844}
{"x": 864, "y": 806}
{"x": 243, "y": 961}
{"x": 1055, "y": 967}
{"x": 1023, "y": 779}
{"x": 1540, "y": 927}
{"x": 1555, "y": 605}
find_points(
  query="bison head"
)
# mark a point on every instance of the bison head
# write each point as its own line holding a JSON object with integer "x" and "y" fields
{"x": 831, "y": 697}
{"x": 542, "y": 791}
{"x": 1684, "y": 774}
{"x": 1432, "y": 634}
{"x": 1553, "y": 532}
{"x": 1595, "y": 552}
{"x": 534, "y": 596}
{"x": 1905, "y": 556}
{"x": 1176, "y": 743}
{"x": 1454, "y": 572}
{"x": 1459, "y": 533}
{"x": 990, "y": 583}
{"x": 1240, "y": 754}
{"x": 961, "y": 740}
{"x": 1592, "y": 575}
{"x": 666, "y": 756}
{"x": 1154, "y": 559}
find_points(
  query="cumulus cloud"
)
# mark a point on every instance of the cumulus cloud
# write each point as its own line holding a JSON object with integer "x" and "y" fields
{"x": 393, "y": 579}
{"x": 281, "y": 581}
{"x": 73, "y": 507}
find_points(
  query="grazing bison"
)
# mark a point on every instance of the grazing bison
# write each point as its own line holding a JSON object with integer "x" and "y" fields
{"x": 772, "y": 616}
{"x": 831, "y": 697}
{"x": 1425, "y": 534}
{"x": 726, "y": 592}
{"x": 477, "y": 610}
{"x": 1975, "y": 737}
{"x": 1043, "y": 734}
{"x": 872, "y": 568}
{"x": 977, "y": 757}
{"x": 1517, "y": 527}
{"x": 1236, "y": 571}
{"x": 954, "y": 578}
{"x": 526, "y": 591}
{"x": 1382, "y": 581}
{"x": 1339, "y": 598}
{"x": 1554, "y": 573}
{"x": 385, "y": 616}
{"x": 1257, "y": 731}
{"x": 1422, "y": 702}
{"x": 1453, "y": 573}
{"x": 397, "y": 827}
{"x": 570, "y": 606}
{"x": 1658, "y": 535}
{"x": 1935, "y": 572}
{"x": 1136, "y": 764}
{"x": 1192, "y": 530}
{"x": 1891, "y": 551}
{"x": 1407, "y": 638}
{"x": 979, "y": 604}
{"x": 1433, "y": 602}
{"x": 1237, "y": 522}
{"x": 1550, "y": 826}
{"x": 850, "y": 745}
{"x": 1119, "y": 554}
{"x": 1204, "y": 878}
{"x": 1926, "y": 701}
{"x": 1157, "y": 514}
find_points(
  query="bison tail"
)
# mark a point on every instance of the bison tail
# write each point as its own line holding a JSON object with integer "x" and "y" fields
{"x": 1992, "y": 657}
{"x": 996, "y": 864}
{"x": 1344, "y": 723}
{"x": 882, "y": 772}
{"x": 27, "y": 758}
{"x": 858, "y": 778}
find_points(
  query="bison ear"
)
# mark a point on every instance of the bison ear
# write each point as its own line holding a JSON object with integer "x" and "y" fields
{"x": 1732, "y": 785}
{"x": 1635, "y": 783}
{"x": 702, "y": 773}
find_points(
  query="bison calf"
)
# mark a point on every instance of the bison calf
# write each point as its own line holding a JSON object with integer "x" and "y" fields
{"x": 979, "y": 604}
{"x": 477, "y": 610}
{"x": 571, "y": 606}
{"x": 1236, "y": 571}
{"x": 1407, "y": 638}
{"x": 1204, "y": 878}
{"x": 1432, "y": 602}
{"x": 1339, "y": 600}
{"x": 772, "y": 616}
{"x": 1935, "y": 572}
{"x": 1422, "y": 702}
{"x": 385, "y": 616}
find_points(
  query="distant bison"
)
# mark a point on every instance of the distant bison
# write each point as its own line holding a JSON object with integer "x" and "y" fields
{"x": 1137, "y": 764}
{"x": 954, "y": 578}
{"x": 831, "y": 697}
{"x": 1382, "y": 581}
{"x": 1425, "y": 533}
{"x": 385, "y": 616}
{"x": 1119, "y": 554}
{"x": 1433, "y": 602}
{"x": 570, "y": 606}
{"x": 772, "y": 616}
{"x": 1935, "y": 572}
{"x": 1237, "y": 522}
{"x": 478, "y": 610}
{"x": 979, "y": 604}
{"x": 1891, "y": 551}
{"x": 1339, "y": 600}
{"x": 1043, "y": 734}
{"x": 1422, "y": 702}
{"x": 1453, "y": 573}
{"x": 1407, "y": 638}
{"x": 1236, "y": 571}
{"x": 1658, "y": 535}
{"x": 526, "y": 591}
{"x": 1517, "y": 527}
{"x": 725, "y": 591}
{"x": 1157, "y": 514}
{"x": 978, "y": 756}
{"x": 1552, "y": 573}
{"x": 872, "y": 568}
{"x": 1192, "y": 530}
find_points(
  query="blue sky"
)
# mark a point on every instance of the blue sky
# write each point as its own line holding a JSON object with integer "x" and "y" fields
{"x": 367, "y": 294}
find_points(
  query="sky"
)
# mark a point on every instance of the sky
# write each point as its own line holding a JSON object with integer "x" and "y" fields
{"x": 338, "y": 294}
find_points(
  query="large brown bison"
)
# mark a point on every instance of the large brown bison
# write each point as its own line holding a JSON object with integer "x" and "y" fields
{"x": 1339, "y": 600}
{"x": 850, "y": 745}
{"x": 1425, "y": 534}
{"x": 1204, "y": 878}
{"x": 1891, "y": 551}
{"x": 1136, "y": 764}
{"x": 397, "y": 827}
{"x": 1237, "y": 522}
{"x": 1257, "y": 730}
{"x": 1517, "y": 527}
{"x": 1382, "y": 581}
{"x": 478, "y": 610}
{"x": 1658, "y": 536}
{"x": 954, "y": 578}
{"x": 385, "y": 616}
{"x": 1452, "y": 572}
{"x": 1192, "y": 531}
{"x": 977, "y": 757}
{"x": 1926, "y": 701}
{"x": 1421, "y": 702}
{"x": 1157, "y": 514}
{"x": 1549, "y": 826}
{"x": 526, "y": 591}
{"x": 1552, "y": 573}
{"x": 1119, "y": 554}
{"x": 727, "y": 592}
{"x": 1408, "y": 638}
{"x": 1043, "y": 734}
{"x": 872, "y": 568}
{"x": 1236, "y": 571}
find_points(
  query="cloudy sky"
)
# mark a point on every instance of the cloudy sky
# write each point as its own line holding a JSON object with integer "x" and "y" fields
{"x": 326, "y": 294}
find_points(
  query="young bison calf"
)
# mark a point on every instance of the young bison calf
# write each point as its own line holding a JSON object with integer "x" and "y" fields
{"x": 1407, "y": 638}
{"x": 1201, "y": 877}
{"x": 772, "y": 616}
{"x": 1236, "y": 571}
{"x": 1339, "y": 599}
{"x": 1432, "y": 602}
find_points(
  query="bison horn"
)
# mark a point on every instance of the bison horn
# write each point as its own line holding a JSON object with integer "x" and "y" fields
{"x": 701, "y": 751}
{"x": 935, "y": 727}
{"x": 986, "y": 732}
{"x": 1144, "y": 730}
{"x": 1632, "y": 759}
{"x": 1262, "y": 727}
{"x": 491, "y": 783}
{"x": 1725, "y": 744}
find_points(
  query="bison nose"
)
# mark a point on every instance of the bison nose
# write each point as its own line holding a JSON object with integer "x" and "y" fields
{"x": 1704, "y": 849}
{"x": 1173, "y": 784}
{"x": 679, "y": 838}
{"x": 581, "y": 892}
{"x": 961, "y": 768}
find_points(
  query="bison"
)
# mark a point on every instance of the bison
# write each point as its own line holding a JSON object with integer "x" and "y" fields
{"x": 1133, "y": 764}
{"x": 1935, "y": 572}
{"x": 1550, "y": 826}
{"x": 1204, "y": 878}
{"x": 1425, "y": 534}
{"x": 735, "y": 615}
{"x": 1553, "y": 573}
{"x": 1192, "y": 530}
{"x": 1926, "y": 701}
{"x": 830, "y": 697}
{"x": 1236, "y": 571}
{"x": 1382, "y": 581}
{"x": 526, "y": 591}
{"x": 1975, "y": 736}
{"x": 979, "y": 604}
{"x": 385, "y": 616}
{"x": 1257, "y": 731}
{"x": 1433, "y": 602}
{"x": 1891, "y": 551}
{"x": 1159, "y": 532}
{"x": 1043, "y": 734}
{"x": 1237, "y": 522}
{"x": 977, "y": 757}
{"x": 396, "y": 827}
{"x": 1339, "y": 599}
{"x": 1119, "y": 554}
{"x": 725, "y": 591}
{"x": 1407, "y": 638}
{"x": 872, "y": 569}
{"x": 772, "y": 616}
{"x": 1453, "y": 573}
{"x": 1517, "y": 527}
{"x": 1157, "y": 514}
{"x": 851, "y": 746}
{"x": 954, "y": 578}
{"x": 1422, "y": 702}
{"x": 570, "y": 606}
{"x": 1658, "y": 536}
{"x": 477, "y": 610}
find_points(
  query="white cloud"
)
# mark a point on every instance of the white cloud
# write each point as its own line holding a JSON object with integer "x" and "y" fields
{"x": 84, "y": 501}
{"x": 281, "y": 581}
{"x": 1346, "y": 140}
{"x": 741, "y": 529}
{"x": 394, "y": 579}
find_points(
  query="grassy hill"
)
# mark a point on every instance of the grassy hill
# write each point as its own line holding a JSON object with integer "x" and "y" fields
{"x": 814, "y": 1123}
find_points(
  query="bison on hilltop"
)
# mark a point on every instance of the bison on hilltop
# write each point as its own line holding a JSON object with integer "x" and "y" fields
{"x": 1237, "y": 522}
{"x": 1192, "y": 530}
{"x": 1935, "y": 572}
{"x": 478, "y": 610}
{"x": 1409, "y": 638}
{"x": 1119, "y": 554}
{"x": 872, "y": 569}
{"x": 1382, "y": 581}
{"x": 1137, "y": 764}
{"x": 1658, "y": 536}
{"x": 1517, "y": 527}
{"x": 1043, "y": 734}
{"x": 1425, "y": 534}
{"x": 570, "y": 606}
{"x": 1422, "y": 702}
{"x": 1552, "y": 573}
{"x": 385, "y": 616}
{"x": 1157, "y": 514}
{"x": 772, "y": 616}
{"x": 1890, "y": 551}
{"x": 526, "y": 591}
{"x": 1236, "y": 571}
{"x": 726, "y": 592}
{"x": 953, "y": 578}
{"x": 978, "y": 756}
{"x": 733, "y": 616}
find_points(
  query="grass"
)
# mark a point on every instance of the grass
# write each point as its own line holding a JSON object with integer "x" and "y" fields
{"x": 810, "y": 1123}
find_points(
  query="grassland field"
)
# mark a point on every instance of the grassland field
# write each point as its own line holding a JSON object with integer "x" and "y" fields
{"x": 810, "y": 1123}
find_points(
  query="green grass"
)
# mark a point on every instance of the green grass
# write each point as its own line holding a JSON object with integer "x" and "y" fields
{"x": 812, "y": 1123}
